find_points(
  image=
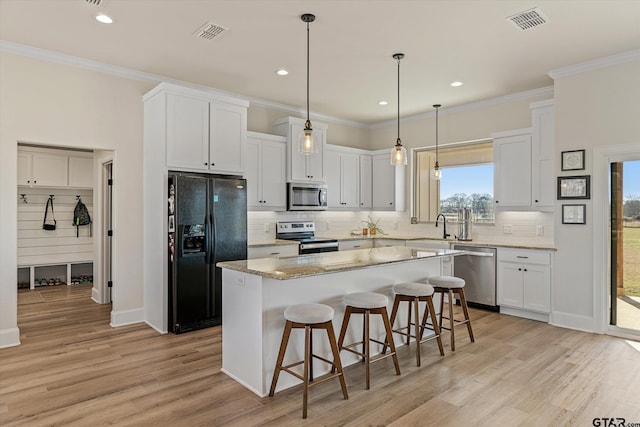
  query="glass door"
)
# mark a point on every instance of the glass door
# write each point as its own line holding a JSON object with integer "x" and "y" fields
{"x": 624, "y": 195}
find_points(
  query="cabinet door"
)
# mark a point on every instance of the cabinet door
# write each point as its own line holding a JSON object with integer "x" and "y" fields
{"x": 334, "y": 181}
{"x": 227, "y": 138}
{"x": 512, "y": 170}
{"x": 297, "y": 160}
{"x": 187, "y": 133}
{"x": 81, "y": 172}
{"x": 383, "y": 183}
{"x": 542, "y": 147}
{"x": 274, "y": 185}
{"x": 315, "y": 162}
{"x": 49, "y": 170}
{"x": 350, "y": 176}
{"x": 365, "y": 182}
{"x": 24, "y": 168}
{"x": 510, "y": 284}
{"x": 537, "y": 288}
{"x": 254, "y": 173}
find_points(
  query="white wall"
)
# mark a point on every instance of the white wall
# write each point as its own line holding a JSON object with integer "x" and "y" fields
{"x": 594, "y": 110}
{"x": 57, "y": 105}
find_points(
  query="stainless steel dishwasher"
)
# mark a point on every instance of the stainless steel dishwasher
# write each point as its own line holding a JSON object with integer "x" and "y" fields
{"x": 478, "y": 269}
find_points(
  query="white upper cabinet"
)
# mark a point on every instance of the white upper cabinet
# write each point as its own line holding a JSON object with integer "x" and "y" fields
{"x": 342, "y": 170}
{"x": 365, "y": 181}
{"x": 80, "y": 172}
{"x": 524, "y": 163}
{"x": 512, "y": 168}
{"x": 204, "y": 132}
{"x": 387, "y": 184}
{"x": 44, "y": 167}
{"x": 187, "y": 132}
{"x": 266, "y": 172}
{"x": 301, "y": 167}
{"x": 227, "y": 137}
{"x": 542, "y": 150}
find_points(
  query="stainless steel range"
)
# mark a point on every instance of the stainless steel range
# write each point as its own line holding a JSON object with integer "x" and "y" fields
{"x": 304, "y": 232}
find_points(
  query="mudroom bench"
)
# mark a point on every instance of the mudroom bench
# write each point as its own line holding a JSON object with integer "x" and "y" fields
{"x": 71, "y": 267}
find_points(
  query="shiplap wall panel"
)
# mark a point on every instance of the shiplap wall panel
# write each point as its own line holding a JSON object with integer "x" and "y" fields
{"x": 37, "y": 246}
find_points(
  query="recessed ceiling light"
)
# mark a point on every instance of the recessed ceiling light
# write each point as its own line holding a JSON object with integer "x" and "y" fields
{"x": 105, "y": 19}
{"x": 382, "y": 103}
{"x": 282, "y": 72}
{"x": 456, "y": 84}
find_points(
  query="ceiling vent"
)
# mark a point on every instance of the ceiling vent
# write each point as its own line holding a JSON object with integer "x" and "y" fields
{"x": 209, "y": 31}
{"x": 96, "y": 2}
{"x": 528, "y": 19}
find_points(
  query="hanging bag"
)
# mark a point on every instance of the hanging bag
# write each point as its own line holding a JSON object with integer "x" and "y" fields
{"x": 46, "y": 226}
{"x": 81, "y": 217}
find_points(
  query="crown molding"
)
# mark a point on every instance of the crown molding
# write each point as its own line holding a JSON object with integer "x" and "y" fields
{"x": 595, "y": 64}
{"x": 548, "y": 90}
{"x": 87, "y": 64}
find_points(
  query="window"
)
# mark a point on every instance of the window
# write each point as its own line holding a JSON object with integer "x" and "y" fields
{"x": 468, "y": 187}
{"x": 467, "y": 181}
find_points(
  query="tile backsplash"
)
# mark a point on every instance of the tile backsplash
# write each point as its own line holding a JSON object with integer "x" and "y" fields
{"x": 510, "y": 227}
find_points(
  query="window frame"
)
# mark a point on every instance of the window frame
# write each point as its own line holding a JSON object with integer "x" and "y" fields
{"x": 418, "y": 181}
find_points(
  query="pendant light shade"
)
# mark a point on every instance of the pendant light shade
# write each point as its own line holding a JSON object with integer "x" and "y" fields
{"x": 398, "y": 152}
{"x": 437, "y": 172}
{"x": 306, "y": 143}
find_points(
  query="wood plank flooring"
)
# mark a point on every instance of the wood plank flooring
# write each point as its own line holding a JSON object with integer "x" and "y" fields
{"x": 73, "y": 369}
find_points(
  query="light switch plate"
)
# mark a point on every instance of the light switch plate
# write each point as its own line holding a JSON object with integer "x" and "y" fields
{"x": 266, "y": 227}
{"x": 507, "y": 229}
{"x": 539, "y": 230}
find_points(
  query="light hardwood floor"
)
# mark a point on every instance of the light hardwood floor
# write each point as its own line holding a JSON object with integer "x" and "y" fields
{"x": 74, "y": 369}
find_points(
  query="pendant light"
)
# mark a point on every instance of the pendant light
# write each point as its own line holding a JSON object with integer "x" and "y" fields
{"x": 398, "y": 152}
{"x": 306, "y": 143}
{"x": 437, "y": 172}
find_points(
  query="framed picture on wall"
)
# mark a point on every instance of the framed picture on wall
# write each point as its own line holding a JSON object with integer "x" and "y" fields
{"x": 574, "y": 187}
{"x": 573, "y": 160}
{"x": 574, "y": 214}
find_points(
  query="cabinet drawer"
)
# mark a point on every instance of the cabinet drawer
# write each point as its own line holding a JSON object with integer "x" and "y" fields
{"x": 276, "y": 251}
{"x": 529, "y": 257}
{"x": 348, "y": 245}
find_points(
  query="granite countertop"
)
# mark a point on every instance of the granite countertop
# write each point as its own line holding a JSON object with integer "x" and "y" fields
{"x": 331, "y": 262}
{"x": 345, "y": 237}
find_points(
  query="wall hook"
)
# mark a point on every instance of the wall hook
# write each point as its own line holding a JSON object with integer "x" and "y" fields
{"x": 52, "y": 196}
{"x": 77, "y": 197}
{"x": 23, "y": 198}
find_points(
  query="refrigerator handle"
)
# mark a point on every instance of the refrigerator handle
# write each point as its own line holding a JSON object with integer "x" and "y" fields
{"x": 212, "y": 240}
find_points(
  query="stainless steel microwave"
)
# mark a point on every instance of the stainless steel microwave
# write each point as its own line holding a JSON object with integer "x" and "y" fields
{"x": 306, "y": 197}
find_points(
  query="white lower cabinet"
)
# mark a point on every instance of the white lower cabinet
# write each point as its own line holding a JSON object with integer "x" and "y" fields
{"x": 271, "y": 251}
{"x": 524, "y": 280}
{"x": 349, "y": 245}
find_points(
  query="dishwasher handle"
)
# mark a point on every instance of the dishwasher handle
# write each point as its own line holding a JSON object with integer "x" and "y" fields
{"x": 473, "y": 253}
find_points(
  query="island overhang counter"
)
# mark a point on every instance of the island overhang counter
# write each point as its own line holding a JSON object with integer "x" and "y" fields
{"x": 256, "y": 292}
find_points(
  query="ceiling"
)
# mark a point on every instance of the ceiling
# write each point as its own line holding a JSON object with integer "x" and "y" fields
{"x": 351, "y": 47}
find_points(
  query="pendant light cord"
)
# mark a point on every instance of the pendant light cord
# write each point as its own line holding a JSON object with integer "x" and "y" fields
{"x": 307, "y": 71}
{"x": 398, "y": 141}
{"x": 436, "y": 135}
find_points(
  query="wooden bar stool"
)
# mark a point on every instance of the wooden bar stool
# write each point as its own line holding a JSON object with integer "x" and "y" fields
{"x": 368, "y": 303}
{"x": 413, "y": 293}
{"x": 452, "y": 285}
{"x": 309, "y": 317}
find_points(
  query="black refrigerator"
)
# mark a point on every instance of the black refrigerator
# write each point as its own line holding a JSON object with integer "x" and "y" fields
{"x": 207, "y": 224}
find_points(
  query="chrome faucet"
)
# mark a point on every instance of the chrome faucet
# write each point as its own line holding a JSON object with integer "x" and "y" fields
{"x": 444, "y": 225}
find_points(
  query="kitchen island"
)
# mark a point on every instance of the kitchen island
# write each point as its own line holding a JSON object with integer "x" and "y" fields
{"x": 256, "y": 292}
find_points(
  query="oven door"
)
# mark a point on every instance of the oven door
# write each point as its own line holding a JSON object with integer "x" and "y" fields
{"x": 307, "y": 197}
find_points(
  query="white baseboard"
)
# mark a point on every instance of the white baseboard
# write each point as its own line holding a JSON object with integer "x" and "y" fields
{"x": 243, "y": 383}
{"x": 573, "y": 321}
{"x": 95, "y": 296}
{"x": 9, "y": 337}
{"x": 127, "y": 317}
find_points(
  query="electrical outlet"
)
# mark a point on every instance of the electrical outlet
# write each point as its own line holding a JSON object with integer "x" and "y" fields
{"x": 327, "y": 224}
{"x": 266, "y": 227}
{"x": 507, "y": 229}
{"x": 539, "y": 230}
{"x": 395, "y": 225}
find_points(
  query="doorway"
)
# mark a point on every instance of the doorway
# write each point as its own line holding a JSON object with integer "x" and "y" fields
{"x": 624, "y": 196}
